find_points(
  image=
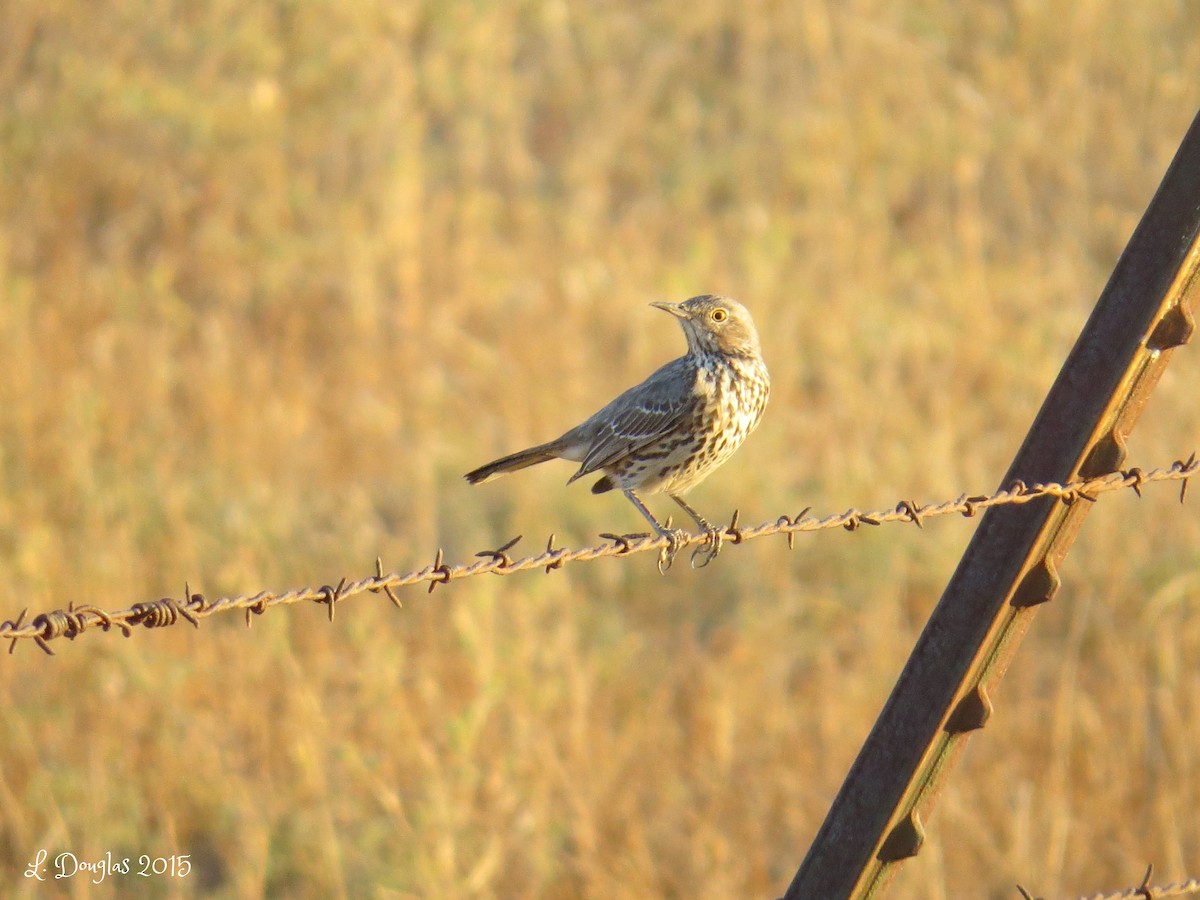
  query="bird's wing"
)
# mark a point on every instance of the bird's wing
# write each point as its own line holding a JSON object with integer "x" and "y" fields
{"x": 643, "y": 414}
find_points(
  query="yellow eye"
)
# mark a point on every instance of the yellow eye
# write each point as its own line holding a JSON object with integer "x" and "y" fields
{"x": 719, "y": 314}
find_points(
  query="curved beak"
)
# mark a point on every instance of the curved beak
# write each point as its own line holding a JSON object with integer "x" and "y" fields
{"x": 675, "y": 309}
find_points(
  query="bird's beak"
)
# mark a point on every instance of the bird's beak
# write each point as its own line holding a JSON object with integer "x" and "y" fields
{"x": 675, "y": 309}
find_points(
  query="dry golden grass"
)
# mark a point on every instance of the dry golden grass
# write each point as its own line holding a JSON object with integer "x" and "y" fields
{"x": 272, "y": 277}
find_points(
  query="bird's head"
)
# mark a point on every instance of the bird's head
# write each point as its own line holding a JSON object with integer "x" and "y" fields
{"x": 714, "y": 324}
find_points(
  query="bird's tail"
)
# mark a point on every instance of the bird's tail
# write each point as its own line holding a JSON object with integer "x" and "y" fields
{"x": 515, "y": 461}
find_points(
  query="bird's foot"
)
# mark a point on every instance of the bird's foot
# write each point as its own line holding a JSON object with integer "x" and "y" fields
{"x": 714, "y": 539}
{"x": 675, "y": 539}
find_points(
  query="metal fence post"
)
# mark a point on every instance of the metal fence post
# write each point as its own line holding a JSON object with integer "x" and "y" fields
{"x": 1010, "y": 566}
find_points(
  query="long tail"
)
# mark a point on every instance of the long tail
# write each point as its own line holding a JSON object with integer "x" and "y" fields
{"x": 515, "y": 461}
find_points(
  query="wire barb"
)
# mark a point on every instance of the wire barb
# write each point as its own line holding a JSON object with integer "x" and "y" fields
{"x": 256, "y": 605}
{"x": 74, "y": 620}
{"x": 622, "y": 542}
{"x": 440, "y": 572}
{"x": 1143, "y": 887}
{"x": 735, "y": 533}
{"x": 500, "y": 555}
{"x": 550, "y": 552}
{"x": 1189, "y": 466}
{"x": 912, "y": 509}
{"x": 384, "y": 586}
{"x": 330, "y": 595}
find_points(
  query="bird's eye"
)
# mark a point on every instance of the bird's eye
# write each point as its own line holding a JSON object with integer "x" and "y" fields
{"x": 720, "y": 314}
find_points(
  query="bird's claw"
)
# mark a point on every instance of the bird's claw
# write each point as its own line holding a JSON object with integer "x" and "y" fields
{"x": 714, "y": 539}
{"x": 675, "y": 538}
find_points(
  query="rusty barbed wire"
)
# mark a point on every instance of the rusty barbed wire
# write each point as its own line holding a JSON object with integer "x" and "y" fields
{"x": 1145, "y": 890}
{"x": 75, "y": 620}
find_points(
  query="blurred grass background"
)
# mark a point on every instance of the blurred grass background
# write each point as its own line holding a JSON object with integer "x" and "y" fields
{"x": 272, "y": 276}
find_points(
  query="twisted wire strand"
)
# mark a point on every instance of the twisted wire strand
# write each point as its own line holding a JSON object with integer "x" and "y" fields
{"x": 76, "y": 619}
{"x": 1188, "y": 888}
{"x": 1145, "y": 890}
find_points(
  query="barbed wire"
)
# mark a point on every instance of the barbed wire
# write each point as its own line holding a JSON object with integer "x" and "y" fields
{"x": 1145, "y": 890}
{"x": 78, "y": 618}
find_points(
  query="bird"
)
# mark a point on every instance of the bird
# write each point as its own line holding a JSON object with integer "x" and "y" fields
{"x": 668, "y": 433}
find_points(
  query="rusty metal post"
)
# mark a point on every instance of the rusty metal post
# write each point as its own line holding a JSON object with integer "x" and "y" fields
{"x": 1010, "y": 566}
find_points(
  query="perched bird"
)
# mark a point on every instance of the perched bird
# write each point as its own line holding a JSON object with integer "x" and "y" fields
{"x": 669, "y": 432}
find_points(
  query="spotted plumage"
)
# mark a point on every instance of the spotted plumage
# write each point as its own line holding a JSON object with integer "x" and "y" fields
{"x": 669, "y": 432}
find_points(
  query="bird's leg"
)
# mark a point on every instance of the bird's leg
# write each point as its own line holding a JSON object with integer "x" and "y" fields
{"x": 674, "y": 536}
{"x": 713, "y": 536}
